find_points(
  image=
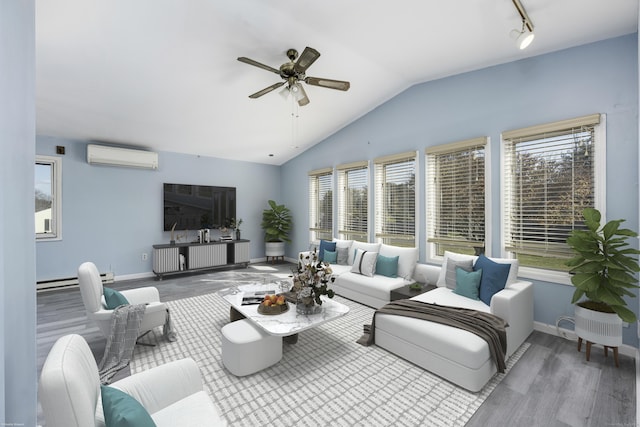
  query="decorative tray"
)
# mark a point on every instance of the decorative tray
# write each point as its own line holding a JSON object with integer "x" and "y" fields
{"x": 273, "y": 309}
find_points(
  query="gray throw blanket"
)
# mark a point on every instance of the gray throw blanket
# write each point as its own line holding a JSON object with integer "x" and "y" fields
{"x": 168, "y": 331}
{"x": 125, "y": 323}
{"x": 487, "y": 326}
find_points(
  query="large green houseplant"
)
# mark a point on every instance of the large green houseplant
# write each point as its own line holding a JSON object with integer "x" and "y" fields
{"x": 604, "y": 266}
{"x": 276, "y": 222}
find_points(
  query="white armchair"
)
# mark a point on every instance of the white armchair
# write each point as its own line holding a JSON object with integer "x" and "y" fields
{"x": 93, "y": 298}
{"x": 69, "y": 390}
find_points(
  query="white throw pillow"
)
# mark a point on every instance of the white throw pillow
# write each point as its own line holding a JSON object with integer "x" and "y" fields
{"x": 407, "y": 259}
{"x": 442, "y": 278}
{"x": 343, "y": 243}
{"x": 372, "y": 247}
{"x": 365, "y": 263}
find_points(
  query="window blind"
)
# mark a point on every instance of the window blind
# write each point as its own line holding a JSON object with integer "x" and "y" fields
{"x": 395, "y": 180}
{"x": 321, "y": 204}
{"x": 455, "y": 175}
{"x": 549, "y": 181}
{"x": 353, "y": 189}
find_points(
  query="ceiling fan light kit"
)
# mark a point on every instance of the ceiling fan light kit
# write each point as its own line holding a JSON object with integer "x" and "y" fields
{"x": 525, "y": 36}
{"x": 293, "y": 73}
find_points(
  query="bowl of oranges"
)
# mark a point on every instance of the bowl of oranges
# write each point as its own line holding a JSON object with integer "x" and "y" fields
{"x": 273, "y": 304}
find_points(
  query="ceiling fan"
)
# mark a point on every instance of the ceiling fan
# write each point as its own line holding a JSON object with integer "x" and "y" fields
{"x": 293, "y": 73}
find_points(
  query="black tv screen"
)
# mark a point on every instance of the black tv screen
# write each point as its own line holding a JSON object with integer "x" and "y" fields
{"x": 192, "y": 207}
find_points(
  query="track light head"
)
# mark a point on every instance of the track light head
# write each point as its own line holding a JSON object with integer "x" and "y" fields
{"x": 525, "y": 36}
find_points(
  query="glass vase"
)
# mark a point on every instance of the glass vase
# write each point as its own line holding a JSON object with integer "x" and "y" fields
{"x": 306, "y": 305}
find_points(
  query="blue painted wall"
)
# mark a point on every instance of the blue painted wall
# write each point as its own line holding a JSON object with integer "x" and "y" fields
{"x": 596, "y": 78}
{"x": 18, "y": 379}
{"x": 112, "y": 215}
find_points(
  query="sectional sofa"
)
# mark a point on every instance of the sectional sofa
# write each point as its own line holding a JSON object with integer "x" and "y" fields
{"x": 454, "y": 354}
{"x": 366, "y": 282}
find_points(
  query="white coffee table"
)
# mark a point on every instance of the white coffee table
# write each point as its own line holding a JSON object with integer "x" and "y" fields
{"x": 287, "y": 324}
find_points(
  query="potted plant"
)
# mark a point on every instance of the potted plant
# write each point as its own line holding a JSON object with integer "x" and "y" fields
{"x": 276, "y": 223}
{"x": 603, "y": 270}
{"x": 235, "y": 224}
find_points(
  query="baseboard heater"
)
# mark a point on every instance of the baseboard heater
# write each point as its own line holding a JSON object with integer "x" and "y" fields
{"x": 50, "y": 285}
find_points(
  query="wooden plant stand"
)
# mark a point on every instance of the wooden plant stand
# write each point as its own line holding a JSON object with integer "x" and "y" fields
{"x": 606, "y": 351}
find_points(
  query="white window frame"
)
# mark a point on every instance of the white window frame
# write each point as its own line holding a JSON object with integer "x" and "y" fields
{"x": 316, "y": 233}
{"x": 599, "y": 172}
{"x": 431, "y": 191}
{"x": 380, "y": 165}
{"x": 342, "y": 172}
{"x": 56, "y": 202}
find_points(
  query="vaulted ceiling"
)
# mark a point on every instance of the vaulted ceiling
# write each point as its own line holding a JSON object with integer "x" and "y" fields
{"x": 164, "y": 75}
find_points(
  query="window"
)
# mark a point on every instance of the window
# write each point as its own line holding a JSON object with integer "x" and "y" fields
{"x": 353, "y": 201}
{"x": 395, "y": 180}
{"x": 48, "y": 198}
{"x": 321, "y": 204}
{"x": 551, "y": 173}
{"x": 455, "y": 194}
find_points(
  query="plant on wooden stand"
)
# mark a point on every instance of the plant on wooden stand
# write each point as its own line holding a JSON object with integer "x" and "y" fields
{"x": 276, "y": 223}
{"x": 604, "y": 266}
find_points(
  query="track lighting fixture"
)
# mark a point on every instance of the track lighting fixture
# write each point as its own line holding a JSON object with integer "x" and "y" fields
{"x": 525, "y": 36}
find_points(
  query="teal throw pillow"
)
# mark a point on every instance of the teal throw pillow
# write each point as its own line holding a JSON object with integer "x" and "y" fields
{"x": 114, "y": 298}
{"x": 122, "y": 410}
{"x": 494, "y": 277}
{"x": 387, "y": 266}
{"x": 325, "y": 246}
{"x": 330, "y": 256}
{"x": 468, "y": 283}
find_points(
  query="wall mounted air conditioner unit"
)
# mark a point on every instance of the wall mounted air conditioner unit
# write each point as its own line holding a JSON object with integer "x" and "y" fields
{"x": 116, "y": 156}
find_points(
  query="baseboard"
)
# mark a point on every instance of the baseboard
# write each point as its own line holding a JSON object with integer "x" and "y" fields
{"x": 68, "y": 283}
{"x": 568, "y": 334}
{"x": 133, "y": 276}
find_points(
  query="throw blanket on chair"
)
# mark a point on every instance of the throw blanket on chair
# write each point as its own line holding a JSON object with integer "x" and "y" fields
{"x": 125, "y": 323}
{"x": 487, "y": 326}
{"x": 168, "y": 331}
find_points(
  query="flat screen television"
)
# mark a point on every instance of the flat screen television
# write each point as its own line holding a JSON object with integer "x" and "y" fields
{"x": 193, "y": 207}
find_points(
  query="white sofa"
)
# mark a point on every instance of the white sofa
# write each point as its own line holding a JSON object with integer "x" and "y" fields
{"x": 372, "y": 291}
{"x": 69, "y": 390}
{"x": 454, "y": 354}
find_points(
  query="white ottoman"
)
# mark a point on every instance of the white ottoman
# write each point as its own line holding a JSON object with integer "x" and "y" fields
{"x": 247, "y": 349}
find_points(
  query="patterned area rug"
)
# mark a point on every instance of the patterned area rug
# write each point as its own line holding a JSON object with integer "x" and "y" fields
{"x": 324, "y": 379}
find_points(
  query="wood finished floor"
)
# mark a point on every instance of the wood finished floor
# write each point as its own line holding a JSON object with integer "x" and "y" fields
{"x": 551, "y": 385}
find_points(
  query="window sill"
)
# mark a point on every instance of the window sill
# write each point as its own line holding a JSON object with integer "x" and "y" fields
{"x": 559, "y": 277}
{"x": 49, "y": 239}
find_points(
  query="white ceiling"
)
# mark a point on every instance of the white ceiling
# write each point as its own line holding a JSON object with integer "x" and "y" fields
{"x": 163, "y": 74}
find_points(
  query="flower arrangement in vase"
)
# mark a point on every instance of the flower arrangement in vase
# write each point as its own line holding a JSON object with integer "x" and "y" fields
{"x": 310, "y": 281}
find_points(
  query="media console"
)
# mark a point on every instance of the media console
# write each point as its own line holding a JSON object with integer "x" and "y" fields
{"x": 186, "y": 257}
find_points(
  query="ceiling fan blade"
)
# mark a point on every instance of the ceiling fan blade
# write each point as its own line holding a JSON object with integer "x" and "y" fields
{"x": 303, "y": 99}
{"x": 266, "y": 90}
{"x": 308, "y": 57}
{"x": 257, "y": 64}
{"x": 331, "y": 84}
